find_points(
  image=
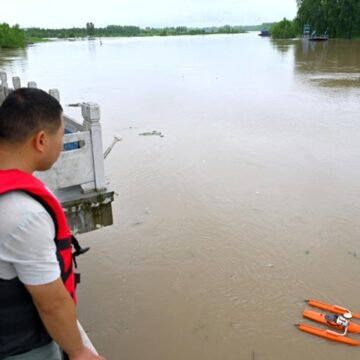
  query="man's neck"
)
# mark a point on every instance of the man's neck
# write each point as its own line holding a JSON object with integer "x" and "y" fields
{"x": 13, "y": 157}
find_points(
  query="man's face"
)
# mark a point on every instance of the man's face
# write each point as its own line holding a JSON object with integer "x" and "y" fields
{"x": 53, "y": 143}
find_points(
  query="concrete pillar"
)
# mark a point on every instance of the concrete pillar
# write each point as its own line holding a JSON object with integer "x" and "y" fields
{"x": 32, "y": 84}
{"x": 7, "y": 91}
{"x": 16, "y": 82}
{"x": 2, "y": 94}
{"x": 3, "y": 79}
{"x": 91, "y": 114}
{"x": 55, "y": 93}
{"x": 3, "y": 86}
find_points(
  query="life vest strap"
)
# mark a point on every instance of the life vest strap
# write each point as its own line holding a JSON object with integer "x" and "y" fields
{"x": 65, "y": 274}
{"x": 63, "y": 244}
{"x": 78, "y": 251}
{"x": 77, "y": 278}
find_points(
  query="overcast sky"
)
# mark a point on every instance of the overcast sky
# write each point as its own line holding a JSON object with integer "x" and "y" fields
{"x": 68, "y": 13}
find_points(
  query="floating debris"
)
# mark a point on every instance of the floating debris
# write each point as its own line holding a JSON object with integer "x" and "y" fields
{"x": 152, "y": 133}
{"x": 353, "y": 253}
{"x": 74, "y": 105}
{"x": 307, "y": 252}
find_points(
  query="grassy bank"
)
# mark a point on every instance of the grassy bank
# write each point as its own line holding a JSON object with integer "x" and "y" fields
{"x": 34, "y": 40}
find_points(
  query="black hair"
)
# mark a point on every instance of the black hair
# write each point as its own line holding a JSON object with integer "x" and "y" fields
{"x": 26, "y": 111}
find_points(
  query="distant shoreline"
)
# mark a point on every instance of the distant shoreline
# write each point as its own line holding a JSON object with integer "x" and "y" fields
{"x": 16, "y": 37}
{"x": 126, "y": 31}
{"x": 81, "y": 38}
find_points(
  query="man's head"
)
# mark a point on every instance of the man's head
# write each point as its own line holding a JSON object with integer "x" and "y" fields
{"x": 32, "y": 119}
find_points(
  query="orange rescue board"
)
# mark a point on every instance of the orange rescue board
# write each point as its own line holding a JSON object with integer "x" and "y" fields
{"x": 320, "y": 318}
{"x": 327, "y": 334}
{"x": 336, "y": 309}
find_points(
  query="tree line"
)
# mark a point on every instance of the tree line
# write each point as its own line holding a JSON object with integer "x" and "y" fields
{"x": 339, "y": 18}
{"x": 128, "y": 31}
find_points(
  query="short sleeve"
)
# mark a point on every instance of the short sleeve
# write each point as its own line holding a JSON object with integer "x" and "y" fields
{"x": 31, "y": 249}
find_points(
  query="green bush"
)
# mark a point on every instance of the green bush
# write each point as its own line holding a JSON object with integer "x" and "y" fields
{"x": 11, "y": 37}
{"x": 285, "y": 29}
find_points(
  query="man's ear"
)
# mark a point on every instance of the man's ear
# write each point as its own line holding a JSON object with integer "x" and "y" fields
{"x": 39, "y": 141}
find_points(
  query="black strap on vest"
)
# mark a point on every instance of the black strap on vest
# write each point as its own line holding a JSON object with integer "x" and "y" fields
{"x": 78, "y": 251}
{"x": 63, "y": 244}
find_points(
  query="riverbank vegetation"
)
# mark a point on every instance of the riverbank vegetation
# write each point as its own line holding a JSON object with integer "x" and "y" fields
{"x": 341, "y": 18}
{"x": 338, "y": 18}
{"x": 263, "y": 26}
{"x": 34, "y": 40}
{"x": 285, "y": 29}
{"x": 11, "y": 37}
{"x": 128, "y": 31}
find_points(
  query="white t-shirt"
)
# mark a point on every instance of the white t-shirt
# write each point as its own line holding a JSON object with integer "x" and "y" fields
{"x": 27, "y": 247}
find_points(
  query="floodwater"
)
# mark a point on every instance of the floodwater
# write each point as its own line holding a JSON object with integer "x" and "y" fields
{"x": 248, "y": 205}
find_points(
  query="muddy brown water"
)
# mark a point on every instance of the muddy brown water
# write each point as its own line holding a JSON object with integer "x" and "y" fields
{"x": 248, "y": 205}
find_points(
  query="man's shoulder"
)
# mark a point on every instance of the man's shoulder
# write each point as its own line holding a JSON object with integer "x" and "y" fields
{"x": 20, "y": 202}
{"x": 27, "y": 247}
{"x": 16, "y": 206}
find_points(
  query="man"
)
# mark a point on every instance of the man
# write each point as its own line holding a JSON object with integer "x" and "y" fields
{"x": 37, "y": 283}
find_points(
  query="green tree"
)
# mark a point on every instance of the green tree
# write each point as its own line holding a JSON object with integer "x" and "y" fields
{"x": 90, "y": 29}
{"x": 11, "y": 37}
{"x": 341, "y": 18}
{"x": 285, "y": 29}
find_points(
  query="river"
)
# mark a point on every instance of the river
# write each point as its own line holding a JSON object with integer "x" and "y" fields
{"x": 248, "y": 204}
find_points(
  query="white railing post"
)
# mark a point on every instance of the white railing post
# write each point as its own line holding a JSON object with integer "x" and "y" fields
{"x": 55, "y": 93}
{"x": 91, "y": 114}
{"x": 2, "y": 94}
{"x": 32, "y": 84}
{"x": 3, "y": 78}
{"x": 3, "y": 86}
{"x": 16, "y": 82}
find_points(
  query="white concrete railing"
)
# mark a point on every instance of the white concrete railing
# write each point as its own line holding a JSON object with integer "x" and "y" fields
{"x": 84, "y": 165}
{"x": 87, "y": 342}
{"x": 74, "y": 167}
